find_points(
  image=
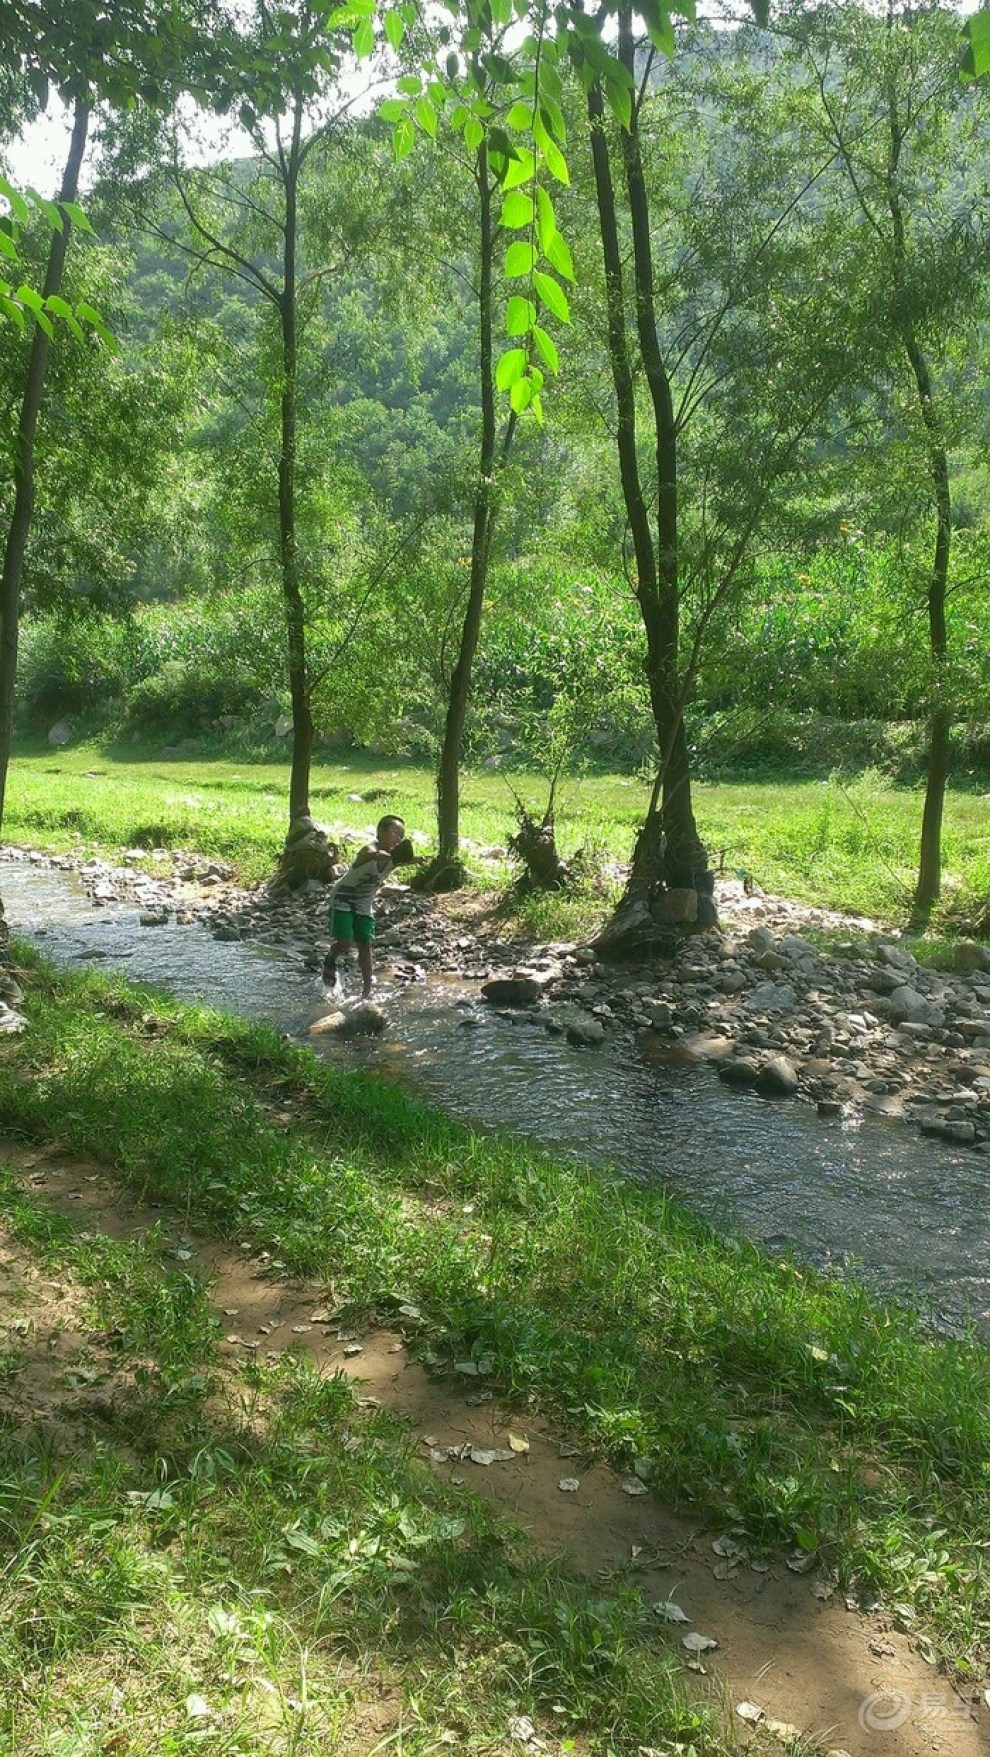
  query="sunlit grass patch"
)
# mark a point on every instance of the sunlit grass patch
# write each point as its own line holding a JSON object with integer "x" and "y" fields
{"x": 277, "y": 1572}
{"x": 796, "y": 1408}
{"x": 843, "y": 844}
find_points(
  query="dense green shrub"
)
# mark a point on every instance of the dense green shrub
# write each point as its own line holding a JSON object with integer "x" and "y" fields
{"x": 79, "y": 664}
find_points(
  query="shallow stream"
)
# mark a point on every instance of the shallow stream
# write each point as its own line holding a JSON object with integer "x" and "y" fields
{"x": 907, "y": 1215}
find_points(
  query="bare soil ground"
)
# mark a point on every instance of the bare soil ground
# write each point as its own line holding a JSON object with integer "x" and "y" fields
{"x": 787, "y": 1643}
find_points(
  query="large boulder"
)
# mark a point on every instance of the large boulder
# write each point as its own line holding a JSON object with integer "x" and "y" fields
{"x": 777, "y": 1078}
{"x": 969, "y": 956}
{"x": 773, "y": 997}
{"x": 520, "y": 990}
{"x": 61, "y": 733}
{"x": 907, "y": 1005}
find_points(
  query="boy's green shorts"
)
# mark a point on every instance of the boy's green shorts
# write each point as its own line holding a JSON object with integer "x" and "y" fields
{"x": 346, "y": 925}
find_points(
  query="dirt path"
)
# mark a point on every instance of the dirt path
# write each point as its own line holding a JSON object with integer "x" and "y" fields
{"x": 813, "y": 1663}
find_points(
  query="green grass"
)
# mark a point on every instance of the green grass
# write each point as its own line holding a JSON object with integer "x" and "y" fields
{"x": 789, "y": 1408}
{"x": 243, "y": 1557}
{"x": 851, "y": 846}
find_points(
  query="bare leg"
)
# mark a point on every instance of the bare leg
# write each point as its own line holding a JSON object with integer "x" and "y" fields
{"x": 364, "y": 965}
{"x": 339, "y": 949}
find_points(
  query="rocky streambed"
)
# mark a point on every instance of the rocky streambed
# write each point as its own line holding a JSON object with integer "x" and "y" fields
{"x": 859, "y": 1027}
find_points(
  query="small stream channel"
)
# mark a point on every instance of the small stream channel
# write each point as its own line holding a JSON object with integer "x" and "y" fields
{"x": 907, "y": 1215}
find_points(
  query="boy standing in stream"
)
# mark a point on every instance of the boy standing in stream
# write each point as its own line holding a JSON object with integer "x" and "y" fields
{"x": 352, "y": 919}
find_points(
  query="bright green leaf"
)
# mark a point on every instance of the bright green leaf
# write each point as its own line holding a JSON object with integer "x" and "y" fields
{"x": 520, "y": 115}
{"x": 426, "y": 116}
{"x": 536, "y": 410}
{"x": 520, "y": 316}
{"x": 364, "y": 39}
{"x": 395, "y": 30}
{"x": 553, "y": 158}
{"x": 403, "y": 139}
{"x": 546, "y": 347}
{"x": 510, "y": 368}
{"x": 521, "y": 394}
{"x": 552, "y": 296}
{"x": 519, "y": 259}
{"x": 520, "y": 169}
{"x": 392, "y": 109}
{"x": 977, "y": 33}
{"x": 410, "y": 84}
{"x": 517, "y": 210}
{"x": 559, "y": 257}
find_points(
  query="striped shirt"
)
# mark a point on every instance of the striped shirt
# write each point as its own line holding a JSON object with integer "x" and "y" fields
{"x": 356, "y": 889}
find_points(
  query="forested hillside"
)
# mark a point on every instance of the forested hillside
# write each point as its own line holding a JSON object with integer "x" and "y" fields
{"x": 760, "y": 328}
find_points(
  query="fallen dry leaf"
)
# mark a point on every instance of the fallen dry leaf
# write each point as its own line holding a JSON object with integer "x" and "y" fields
{"x": 696, "y": 1643}
{"x": 750, "y": 1712}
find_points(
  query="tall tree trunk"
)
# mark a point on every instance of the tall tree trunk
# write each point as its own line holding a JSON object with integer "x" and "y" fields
{"x": 929, "y": 884}
{"x": 684, "y": 854}
{"x": 668, "y": 843}
{"x": 27, "y": 427}
{"x": 295, "y": 612}
{"x": 449, "y": 766}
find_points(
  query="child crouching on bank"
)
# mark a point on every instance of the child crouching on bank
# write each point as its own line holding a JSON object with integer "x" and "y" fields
{"x": 352, "y": 920}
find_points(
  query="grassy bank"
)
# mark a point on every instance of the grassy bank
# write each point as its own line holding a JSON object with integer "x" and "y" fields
{"x": 849, "y": 846}
{"x": 248, "y": 1560}
{"x": 787, "y": 1408}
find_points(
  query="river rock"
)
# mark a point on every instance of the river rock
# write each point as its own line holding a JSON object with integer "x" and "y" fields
{"x": 676, "y": 908}
{"x": 907, "y": 1006}
{"x": 363, "y": 1020}
{"x": 583, "y": 1030}
{"x": 777, "y": 1078}
{"x": 969, "y": 956}
{"x": 963, "y": 1133}
{"x": 742, "y": 1071}
{"x": 896, "y": 956}
{"x": 514, "y": 991}
{"x": 773, "y": 997}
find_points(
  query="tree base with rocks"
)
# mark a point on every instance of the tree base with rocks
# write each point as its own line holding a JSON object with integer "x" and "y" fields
{"x": 308, "y": 855}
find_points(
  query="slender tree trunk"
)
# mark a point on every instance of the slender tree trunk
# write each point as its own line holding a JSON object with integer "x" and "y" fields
{"x": 940, "y": 721}
{"x": 27, "y": 427}
{"x": 449, "y": 766}
{"x": 295, "y": 612}
{"x": 929, "y": 883}
{"x": 668, "y": 843}
{"x": 684, "y": 853}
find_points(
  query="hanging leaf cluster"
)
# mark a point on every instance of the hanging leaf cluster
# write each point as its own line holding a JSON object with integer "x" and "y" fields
{"x": 22, "y": 303}
{"x": 493, "y": 74}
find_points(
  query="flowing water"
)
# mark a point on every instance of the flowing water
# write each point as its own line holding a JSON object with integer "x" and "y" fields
{"x": 907, "y": 1215}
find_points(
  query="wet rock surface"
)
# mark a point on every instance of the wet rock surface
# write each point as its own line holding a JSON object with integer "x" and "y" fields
{"x": 860, "y": 1026}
